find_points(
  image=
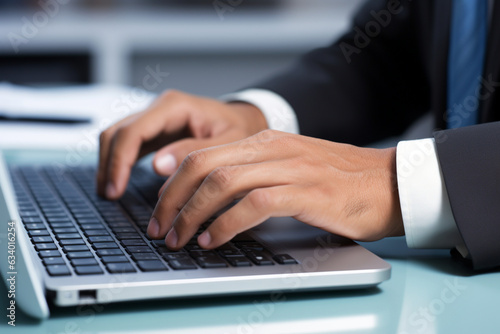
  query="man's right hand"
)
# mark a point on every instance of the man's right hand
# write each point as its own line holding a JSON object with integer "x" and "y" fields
{"x": 174, "y": 125}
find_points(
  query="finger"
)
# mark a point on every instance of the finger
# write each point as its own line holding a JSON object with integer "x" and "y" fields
{"x": 167, "y": 159}
{"x": 256, "y": 207}
{"x": 193, "y": 170}
{"x": 127, "y": 141}
{"x": 105, "y": 140}
{"x": 219, "y": 189}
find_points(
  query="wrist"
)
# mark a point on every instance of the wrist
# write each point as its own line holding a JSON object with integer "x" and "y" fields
{"x": 396, "y": 221}
{"x": 253, "y": 119}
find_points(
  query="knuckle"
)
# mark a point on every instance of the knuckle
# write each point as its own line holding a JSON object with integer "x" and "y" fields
{"x": 123, "y": 132}
{"x": 260, "y": 199}
{"x": 288, "y": 140}
{"x": 194, "y": 160}
{"x": 184, "y": 218}
{"x": 267, "y": 134}
{"x": 221, "y": 176}
{"x": 172, "y": 95}
{"x": 105, "y": 135}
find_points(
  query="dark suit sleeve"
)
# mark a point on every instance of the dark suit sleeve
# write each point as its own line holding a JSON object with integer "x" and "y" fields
{"x": 470, "y": 163}
{"x": 364, "y": 95}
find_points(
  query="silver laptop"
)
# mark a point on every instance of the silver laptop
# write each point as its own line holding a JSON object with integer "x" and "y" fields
{"x": 66, "y": 246}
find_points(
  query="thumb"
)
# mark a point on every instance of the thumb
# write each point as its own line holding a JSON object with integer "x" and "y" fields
{"x": 167, "y": 159}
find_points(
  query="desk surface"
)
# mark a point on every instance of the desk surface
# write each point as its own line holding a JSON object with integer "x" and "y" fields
{"x": 429, "y": 292}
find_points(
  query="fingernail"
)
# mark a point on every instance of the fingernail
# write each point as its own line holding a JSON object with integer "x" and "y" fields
{"x": 204, "y": 239}
{"x": 166, "y": 164}
{"x": 153, "y": 228}
{"x": 111, "y": 190}
{"x": 171, "y": 238}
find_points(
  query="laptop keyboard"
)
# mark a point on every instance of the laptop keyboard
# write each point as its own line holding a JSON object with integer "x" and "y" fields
{"x": 75, "y": 232}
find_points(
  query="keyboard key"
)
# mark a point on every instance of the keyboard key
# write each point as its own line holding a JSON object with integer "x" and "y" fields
{"x": 175, "y": 256}
{"x": 55, "y": 220}
{"x": 229, "y": 252}
{"x": 151, "y": 265}
{"x": 84, "y": 262}
{"x": 144, "y": 256}
{"x": 124, "y": 230}
{"x": 121, "y": 236}
{"x": 80, "y": 209}
{"x": 47, "y": 246}
{"x": 250, "y": 246}
{"x": 49, "y": 253}
{"x": 104, "y": 238}
{"x": 211, "y": 261}
{"x": 79, "y": 255}
{"x": 158, "y": 243}
{"x": 36, "y": 233}
{"x": 58, "y": 270}
{"x": 53, "y": 260}
{"x": 114, "y": 259}
{"x": 106, "y": 252}
{"x": 197, "y": 253}
{"x": 89, "y": 221}
{"x": 65, "y": 242}
{"x": 120, "y": 224}
{"x": 133, "y": 242}
{"x": 68, "y": 236}
{"x": 85, "y": 215}
{"x": 36, "y": 226}
{"x": 138, "y": 249}
{"x": 284, "y": 259}
{"x": 75, "y": 248}
{"x": 88, "y": 270}
{"x": 193, "y": 247}
{"x": 53, "y": 215}
{"x": 116, "y": 268}
{"x": 182, "y": 264}
{"x": 92, "y": 233}
{"x": 259, "y": 258}
{"x": 37, "y": 240}
{"x": 238, "y": 261}
{"x": 28, "y": 214}
{"x": 28, "y": 220}
{"x": 104, "y": 245}
{"x": 87, "y": 227}
{"x": 60, "y": 230}
{"x": 62, "y": 225}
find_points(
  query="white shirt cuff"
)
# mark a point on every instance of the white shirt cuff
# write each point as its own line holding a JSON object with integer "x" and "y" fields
{"x": 427, "y": 216}
{"x": 278, "y": 113}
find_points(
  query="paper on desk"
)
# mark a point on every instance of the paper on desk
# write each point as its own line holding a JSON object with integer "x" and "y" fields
{"x": 102, "y": 104}
{"x": 79, "y": 102}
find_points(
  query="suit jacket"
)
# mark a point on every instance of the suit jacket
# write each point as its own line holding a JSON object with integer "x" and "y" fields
{"x": 363, "y": 89}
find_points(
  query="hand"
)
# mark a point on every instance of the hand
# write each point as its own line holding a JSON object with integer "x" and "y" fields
{"x": 343, "y": 189}
{"x": 183, "y": 122}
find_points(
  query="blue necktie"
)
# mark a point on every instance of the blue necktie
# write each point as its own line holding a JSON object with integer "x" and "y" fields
{"x": 469, "y": 21}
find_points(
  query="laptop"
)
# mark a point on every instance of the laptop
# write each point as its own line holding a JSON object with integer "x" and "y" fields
{"x": 66, "y": 246}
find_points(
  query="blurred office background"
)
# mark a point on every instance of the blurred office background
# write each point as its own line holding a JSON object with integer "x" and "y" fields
{"x": 207, "y": 47}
